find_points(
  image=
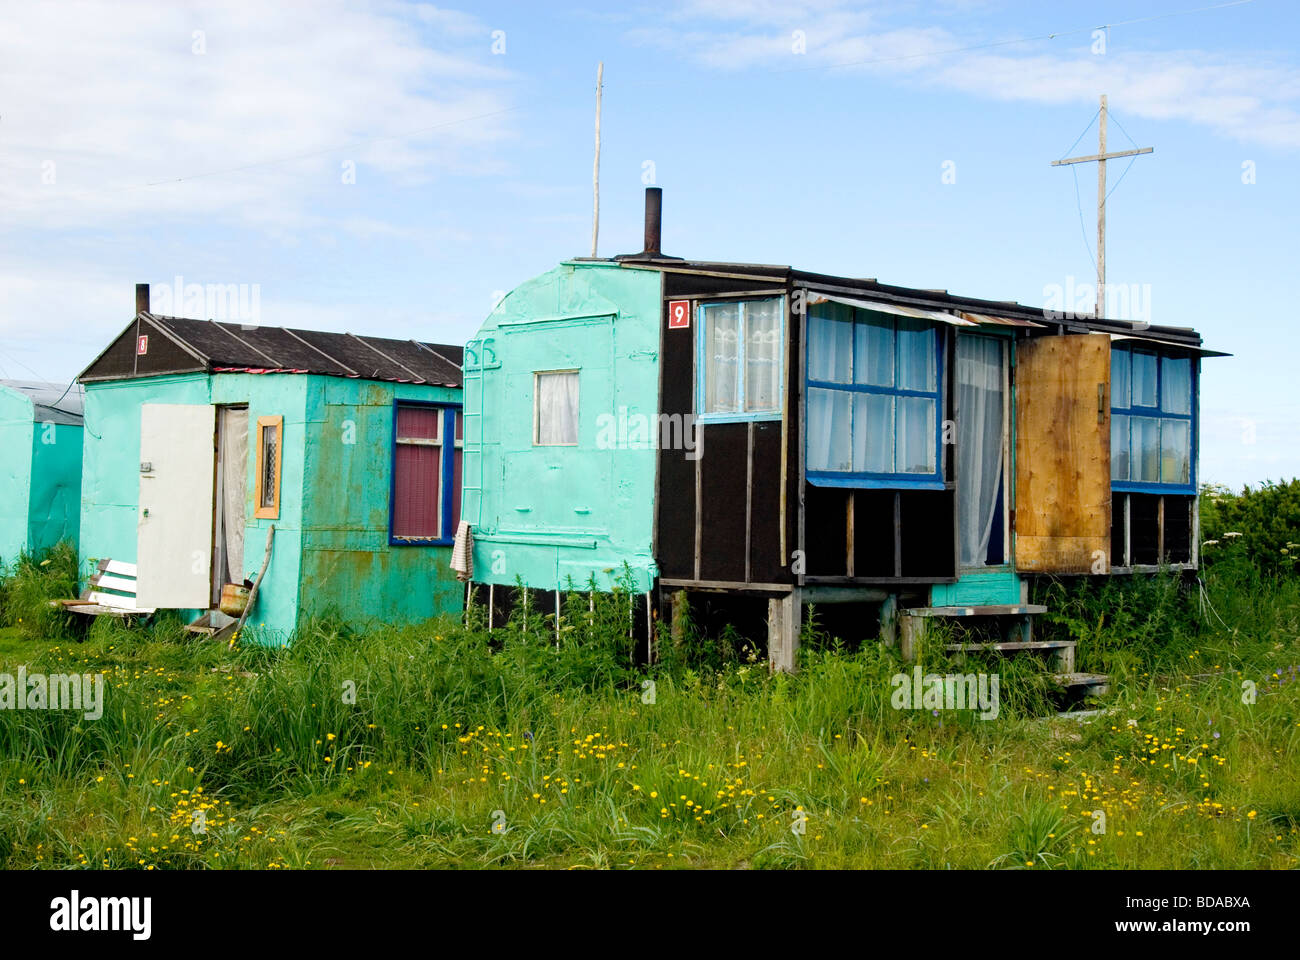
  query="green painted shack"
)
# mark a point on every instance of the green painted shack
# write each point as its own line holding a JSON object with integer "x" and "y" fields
{"x": 765, "y": 438}
{"x": 203, "y": 435}
{"x": 559, "y": 478}
{"x": 40, "y": 473}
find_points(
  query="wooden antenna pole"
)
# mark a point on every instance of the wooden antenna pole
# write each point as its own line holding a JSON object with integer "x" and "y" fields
{"x": 595, "y": 171}
{"x": 1101, "y": 156}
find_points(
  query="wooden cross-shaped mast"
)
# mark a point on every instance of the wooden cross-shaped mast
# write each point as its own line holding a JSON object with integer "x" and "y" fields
{"x": 1101, "y": 156}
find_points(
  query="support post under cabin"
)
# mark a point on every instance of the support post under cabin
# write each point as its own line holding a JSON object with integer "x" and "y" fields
{"x": 911, "y": 630}
{"x": 784, "y": 614}
{"x": 889, "y": 621}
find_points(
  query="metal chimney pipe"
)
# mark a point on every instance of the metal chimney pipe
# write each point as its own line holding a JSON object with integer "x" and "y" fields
{"x": 142, "y": 298}
{"x": 654, "y": 202}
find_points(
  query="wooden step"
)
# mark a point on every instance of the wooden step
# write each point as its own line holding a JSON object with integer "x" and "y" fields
{"x": 1013, "y": 645}
{"x": 1092, "y": 684}
{"x": 998, "y": 610}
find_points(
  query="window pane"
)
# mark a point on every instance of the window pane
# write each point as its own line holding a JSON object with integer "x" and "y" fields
{"x": 721, "y": 358}
{"x": 1176, "y": 389}
{"x": 873, "y": 354}
{"x": 270, "y": 453}
{"x": 916, "y": 358}
{"x": 1144, "y": 379}
{"x": 1145, "y": 447}
{"x": 1120, "y": 366}
{"x": 457, "y": 469}
{"x": 1119, "y": 447}
{"x": 557, "y": 408}
{"x": 417, "y": 482}
{"x": 828, "y": 429}
{"x": 419, "y": 423}
{"x": 763, "y": 355}
{"x": 916, "y": 439}
{"x": 873, "y": 433}
{"x": 1175, "y": 451}
{"x": 830, "y": 348}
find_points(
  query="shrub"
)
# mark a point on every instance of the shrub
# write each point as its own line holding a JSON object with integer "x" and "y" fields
{"x": 1260, "y": 526}
{"x": 37, "y": 579}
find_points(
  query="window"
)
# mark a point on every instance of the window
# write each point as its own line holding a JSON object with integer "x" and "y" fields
{"x": 427, "y": 451}
{"x": 270, "y": 442}
{"x": 555, "y": 408}
{"x": 873, "y": 398}
{"x": 1151, "y": 419}
{"x": 741, "y": 357}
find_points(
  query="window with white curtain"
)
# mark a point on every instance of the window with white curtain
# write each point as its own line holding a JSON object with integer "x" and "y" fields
{"x": 555, "y": 408}
{"x": 741, "y": 356}
{"x": 873, "y": 397}
{"x": 1151, "y": 429}
{"x": 981, "y": 401}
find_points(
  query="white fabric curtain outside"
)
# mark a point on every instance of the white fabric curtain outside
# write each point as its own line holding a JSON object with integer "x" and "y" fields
{"x": 557, "y": 408}
{"x": 979, "y": 442}
{"x": 234, "y": 493}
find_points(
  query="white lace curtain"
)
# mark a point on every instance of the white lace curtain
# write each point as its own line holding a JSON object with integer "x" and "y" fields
{"x": 979, "y": 442}
{"x": 557, "y": 408}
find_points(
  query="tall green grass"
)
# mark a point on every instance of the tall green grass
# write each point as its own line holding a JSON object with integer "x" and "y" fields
{"x": 443, "y": 744}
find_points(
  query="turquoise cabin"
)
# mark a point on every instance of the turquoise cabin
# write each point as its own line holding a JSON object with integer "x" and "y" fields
{"x": 204, "y": 435}
{"x": 40, "y": 475}
{"x": 763, "y": 438}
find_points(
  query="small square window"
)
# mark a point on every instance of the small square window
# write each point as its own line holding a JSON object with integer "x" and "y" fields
{"x": 555, "y": 408}
{"x": 741, "y": 353}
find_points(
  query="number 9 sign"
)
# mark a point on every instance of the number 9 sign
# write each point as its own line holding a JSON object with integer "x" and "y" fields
{"x": 679, "y": 314}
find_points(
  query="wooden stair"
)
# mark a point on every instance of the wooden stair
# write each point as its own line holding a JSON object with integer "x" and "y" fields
{"x": 1016, "y": 623}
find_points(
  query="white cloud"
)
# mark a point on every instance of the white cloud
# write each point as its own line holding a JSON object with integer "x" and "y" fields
{"x": 104, "y": 98}
{"x": 1247, "y": 99}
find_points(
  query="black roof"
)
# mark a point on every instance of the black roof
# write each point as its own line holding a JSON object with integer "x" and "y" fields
{"x": 914, "y": 297}
{"x": 182, "y": 345}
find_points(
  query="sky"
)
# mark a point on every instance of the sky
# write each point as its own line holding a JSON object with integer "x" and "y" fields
{"x": 392, "y": 169}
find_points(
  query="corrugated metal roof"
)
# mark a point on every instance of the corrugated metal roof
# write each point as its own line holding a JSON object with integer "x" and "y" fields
{"x": 994, "y": 321}
{"x": 220, "y": 346}
{"x": 1170, "y": 343}
{"x": 898, "y": 309}
{"x": 51, "y": 403}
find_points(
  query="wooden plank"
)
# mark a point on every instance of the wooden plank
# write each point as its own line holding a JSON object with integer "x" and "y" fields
{"x": 112, "y": 600}
{"x": 106, "y": 582}
{"x": 989, "y": 610}
{"x": 845, "y": 594}
{"x": 1063, "y": 455}
{"x": 1013, "y": 645}
{"x": 783, "y": 616}
{"x": 749, "y": 496}
{"x": 117, "y": 567}
{"x": 725, "y": 585}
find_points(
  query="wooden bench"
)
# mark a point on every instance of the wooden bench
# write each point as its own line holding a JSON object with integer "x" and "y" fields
{"x": 110, "y": 593}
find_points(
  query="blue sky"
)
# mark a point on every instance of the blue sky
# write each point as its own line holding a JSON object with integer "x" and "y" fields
{"x": 141, "y": 142}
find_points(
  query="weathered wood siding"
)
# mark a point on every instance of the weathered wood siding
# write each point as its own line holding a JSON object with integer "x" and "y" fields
{"x": 1063, "y": 455}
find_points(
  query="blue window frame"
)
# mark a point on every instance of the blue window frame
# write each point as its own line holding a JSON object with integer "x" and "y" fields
{"x": 740, "y": 346}
{"x": 424, "y": 486}
{"x": 1152, "y": 421}
{"x": 874, "y": 399}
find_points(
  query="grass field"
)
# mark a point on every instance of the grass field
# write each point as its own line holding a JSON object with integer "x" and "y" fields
{"x": 437, "y": 746}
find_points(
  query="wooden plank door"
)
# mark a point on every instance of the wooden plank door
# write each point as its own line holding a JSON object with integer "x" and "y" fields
{"x": 174, "y": 532}
{"x": 1063, "y": 454}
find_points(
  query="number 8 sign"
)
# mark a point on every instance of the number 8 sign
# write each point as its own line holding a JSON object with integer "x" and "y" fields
{"x": 679, "y": 314}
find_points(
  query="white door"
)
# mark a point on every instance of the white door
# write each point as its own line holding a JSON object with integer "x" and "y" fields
{"x": 174, "y": 540}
